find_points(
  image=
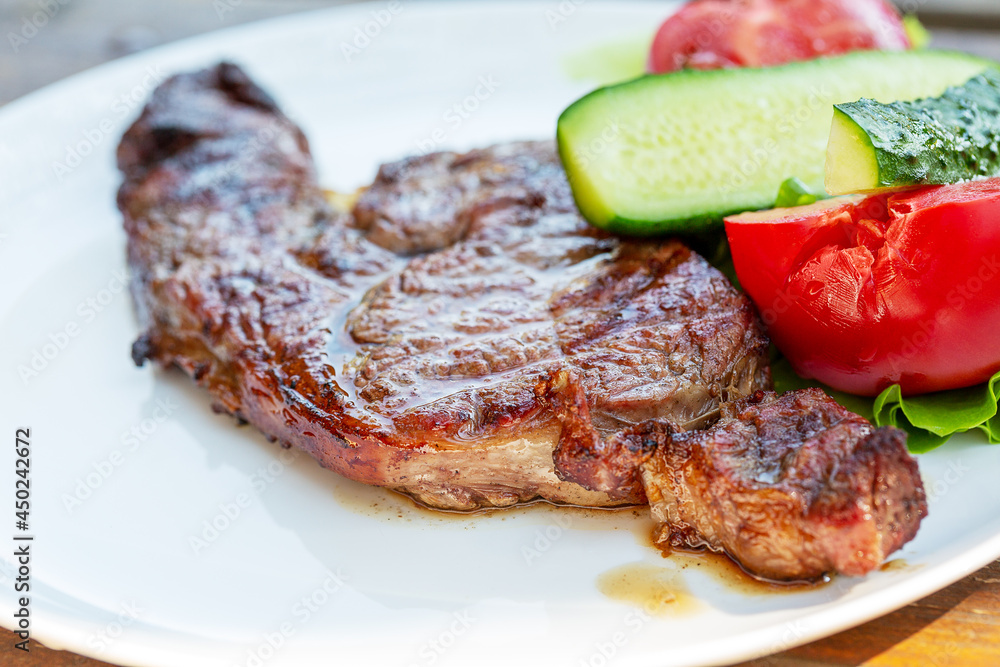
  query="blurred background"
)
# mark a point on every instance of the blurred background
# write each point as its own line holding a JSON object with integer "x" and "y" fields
{"x": 79, "y": 34}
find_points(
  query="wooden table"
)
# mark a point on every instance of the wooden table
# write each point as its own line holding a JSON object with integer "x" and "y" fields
{"x": 959, "y": 626}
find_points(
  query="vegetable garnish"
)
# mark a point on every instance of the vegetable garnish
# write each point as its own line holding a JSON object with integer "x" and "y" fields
{"x": 865, "y": 292}
{"x": 932, "y": 419}
{"x": 711, "y": 34}
{"x": 675, "y": 153}
{"x": 935, "y": 141}
{"x": 793, "y": 192}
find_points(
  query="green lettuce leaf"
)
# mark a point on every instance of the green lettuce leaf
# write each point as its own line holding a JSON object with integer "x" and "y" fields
{"x": 793, "y": 192}
{"x": 929, "y": 420}
{"x": 932, "y": 419}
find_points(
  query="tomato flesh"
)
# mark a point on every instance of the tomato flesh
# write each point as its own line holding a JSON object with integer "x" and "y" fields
{"x": 862, "y": 293}
{"x": 712, "y": 34}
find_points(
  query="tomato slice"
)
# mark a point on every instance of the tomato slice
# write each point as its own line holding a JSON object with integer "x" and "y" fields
{"x": 864, "y": 292}
{"x": 711, "y": 34}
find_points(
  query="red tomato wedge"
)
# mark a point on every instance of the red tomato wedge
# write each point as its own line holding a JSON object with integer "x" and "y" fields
{"x": 711, "y": 34}
{"x": 862, "y": 293}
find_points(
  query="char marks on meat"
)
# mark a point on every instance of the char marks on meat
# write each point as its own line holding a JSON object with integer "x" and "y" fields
{"x": 462, "y": 336}
{"x": 792, "y": 488}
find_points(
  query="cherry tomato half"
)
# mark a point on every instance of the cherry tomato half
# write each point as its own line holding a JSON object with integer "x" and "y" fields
{"x": 864, "y": 292}
{"x": 711, "y": 34}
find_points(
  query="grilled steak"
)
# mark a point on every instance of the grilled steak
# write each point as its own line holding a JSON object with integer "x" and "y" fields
{"x": 791, "y": 488}
{"x": 447, "y": 337}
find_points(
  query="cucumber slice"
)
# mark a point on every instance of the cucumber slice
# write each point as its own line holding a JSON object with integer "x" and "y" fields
{"x": 675, "y": 153}
{"x": 933, "y": 141}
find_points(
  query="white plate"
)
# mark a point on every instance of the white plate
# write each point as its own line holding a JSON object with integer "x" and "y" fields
{"x": 417, "y": 589}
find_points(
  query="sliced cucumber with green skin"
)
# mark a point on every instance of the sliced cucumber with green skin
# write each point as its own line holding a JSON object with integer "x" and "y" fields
{"x": 935, "y": 141}
{"x": 675, "y": 153}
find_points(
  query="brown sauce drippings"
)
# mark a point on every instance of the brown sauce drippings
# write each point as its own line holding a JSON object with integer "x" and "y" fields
{"x": 735, "y": 579}
{"x": 657, "y": 590}
{"x": 726, "y": 571}
{"x": 897, "y": 565}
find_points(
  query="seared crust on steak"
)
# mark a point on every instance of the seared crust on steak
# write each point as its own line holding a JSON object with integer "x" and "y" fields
{"x": 413, "y": 344}
{"x": 792, "y": 488}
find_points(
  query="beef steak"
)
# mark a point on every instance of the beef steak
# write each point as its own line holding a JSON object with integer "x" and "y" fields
{"x": 792, "y": 488}
{"x": 445, "y": 338}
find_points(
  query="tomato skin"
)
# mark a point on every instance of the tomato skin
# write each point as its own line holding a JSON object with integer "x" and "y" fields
{"x": 712, "y": 34}
{"x": 862, "y": 293}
